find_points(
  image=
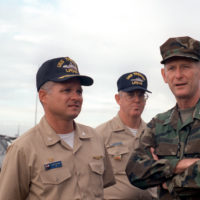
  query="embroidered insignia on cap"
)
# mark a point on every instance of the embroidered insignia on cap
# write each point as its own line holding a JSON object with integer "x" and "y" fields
{"x": 139, "y": 74}
{"x": 137, "y": 81}
{"x": 70, "y": 68}
{"x": 69, "y": 65}
{"x": 60, "y": 63}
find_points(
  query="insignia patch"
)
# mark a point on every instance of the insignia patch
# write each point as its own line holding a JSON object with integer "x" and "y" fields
{"x": 53, "y": 165}
{"x": 116, "y": 144}
{"x": 117, "y": 157}
{"x": 69, "y": 65}
{"x": 137, "y": 81}
{"x": 83, "y": 133}
{"x": 50, "y": 159}
{"x": 97, "y": 157}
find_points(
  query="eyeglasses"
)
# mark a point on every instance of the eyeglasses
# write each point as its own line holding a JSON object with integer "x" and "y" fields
{"x": 136, "y": 94}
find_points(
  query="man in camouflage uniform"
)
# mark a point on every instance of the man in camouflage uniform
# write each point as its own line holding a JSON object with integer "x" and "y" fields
{"x": 168, "y": 153}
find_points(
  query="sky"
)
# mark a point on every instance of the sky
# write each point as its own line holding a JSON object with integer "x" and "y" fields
{"x": 105, "y": 38}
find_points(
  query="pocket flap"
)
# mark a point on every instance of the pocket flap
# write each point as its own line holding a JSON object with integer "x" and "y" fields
{"x": 97, "y": 167}
{"x": 55, "y": 176}
{"x": 119, "y": 150}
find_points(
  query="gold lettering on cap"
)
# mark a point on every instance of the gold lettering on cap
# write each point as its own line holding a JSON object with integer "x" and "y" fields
{"x": 60, "y": 63}
{"x": 70, "y": 60}
{"x": 138, "y": 74}
{"x": 71, "y": 70}
{"x": 137, "y": 82}
{"x": 129, "y": 76}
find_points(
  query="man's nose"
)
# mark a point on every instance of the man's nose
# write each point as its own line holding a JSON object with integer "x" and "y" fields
{"x": 178, "y": 73}
{"x": 136, "y": 97}
{"x": 75, "y": 95}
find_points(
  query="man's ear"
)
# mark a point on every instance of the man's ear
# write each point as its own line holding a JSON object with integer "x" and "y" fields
{"x": 163, "y": 74}
{"x": 117, "y": 98}
{"x": 42, "y": 95}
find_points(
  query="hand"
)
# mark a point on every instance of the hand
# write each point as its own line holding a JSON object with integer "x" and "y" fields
{"x": 152, "y": 150}
{"x": 182, "y": 165}
{"x": 155, "y": 157}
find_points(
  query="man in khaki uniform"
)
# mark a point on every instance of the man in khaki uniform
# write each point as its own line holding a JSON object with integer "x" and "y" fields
{"x": 57, "y": 159}
{"x": 121, "y": 133}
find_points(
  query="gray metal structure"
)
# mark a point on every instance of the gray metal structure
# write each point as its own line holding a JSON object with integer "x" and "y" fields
{"x": 4, "y": 143}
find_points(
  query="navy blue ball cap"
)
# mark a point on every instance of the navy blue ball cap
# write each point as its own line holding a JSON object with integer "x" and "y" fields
{"x": 60, "y": 70}
{"x": 132, "y": 81}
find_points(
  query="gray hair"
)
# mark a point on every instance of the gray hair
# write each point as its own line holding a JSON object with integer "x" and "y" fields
{"x": 120, "y": 93}
{"x": 47, "y": 86}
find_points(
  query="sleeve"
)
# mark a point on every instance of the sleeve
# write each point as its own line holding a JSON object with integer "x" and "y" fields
{"x": 102, "y": 132}
{"x": 142, "y": 170}
{"x": 108, "y": 176}
{"x": 14, "y": 178}
{"x": 186, "y": 182}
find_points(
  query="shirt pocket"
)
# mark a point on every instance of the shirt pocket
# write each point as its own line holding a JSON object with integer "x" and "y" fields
{"x": 55, "y": 176}
{"x": 97, "y": 167}
{"x": 166, "y": 148}
{"x": 119, "y": 156}
{"x": 192, "y": 148}
{"x": 96, "y": 177}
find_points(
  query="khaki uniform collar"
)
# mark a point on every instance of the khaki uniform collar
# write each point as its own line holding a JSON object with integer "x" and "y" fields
{"x": 50, "y": 137}
{"x": 119, "y": 126}
{"x": 82, "y": 134}
{"x": 48, "y": 134}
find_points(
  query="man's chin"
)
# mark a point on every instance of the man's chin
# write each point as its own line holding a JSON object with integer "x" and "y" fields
{"x": 74, "y": 115}
{"x": 182, "y": 96}
{"x": 136, "y": 114}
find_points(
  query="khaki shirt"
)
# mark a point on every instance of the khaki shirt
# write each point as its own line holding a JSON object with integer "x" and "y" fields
{"x": 120, "y": 142}
{"x": 41, "y": 166}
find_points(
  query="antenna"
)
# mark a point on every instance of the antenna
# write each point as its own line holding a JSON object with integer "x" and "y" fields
{"x": 36, "y": 105}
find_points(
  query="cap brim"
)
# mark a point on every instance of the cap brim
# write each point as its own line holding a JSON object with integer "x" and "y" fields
{"x": 129, "y": 89}
{"x": 84, "y": 80}
{"x": 179, "y": 56}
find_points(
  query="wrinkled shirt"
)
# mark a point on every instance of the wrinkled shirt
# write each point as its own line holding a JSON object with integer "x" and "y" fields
{"x": 172, "y": 141}
{"x": 39, "y": 165}
{"x": 119, "y": 142}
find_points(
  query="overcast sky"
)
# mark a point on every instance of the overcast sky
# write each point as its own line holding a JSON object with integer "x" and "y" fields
{"x": 106, "y": 38}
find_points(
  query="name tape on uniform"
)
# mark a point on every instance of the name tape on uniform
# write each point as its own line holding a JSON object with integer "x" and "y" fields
{"x": 53, "y": 165}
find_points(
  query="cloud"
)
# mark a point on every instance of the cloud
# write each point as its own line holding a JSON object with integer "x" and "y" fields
{"x": 105, "y": 38}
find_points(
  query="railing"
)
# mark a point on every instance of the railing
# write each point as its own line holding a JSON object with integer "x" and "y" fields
{"x": 5, "y": 141}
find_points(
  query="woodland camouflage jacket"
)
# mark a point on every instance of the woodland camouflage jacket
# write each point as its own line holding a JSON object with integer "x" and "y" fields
{"x": 172, "y": 141}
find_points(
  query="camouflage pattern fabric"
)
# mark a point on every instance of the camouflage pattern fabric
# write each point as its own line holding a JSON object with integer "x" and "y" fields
{"x": 180, "y": 47}
{"x": 172, "y": 141}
